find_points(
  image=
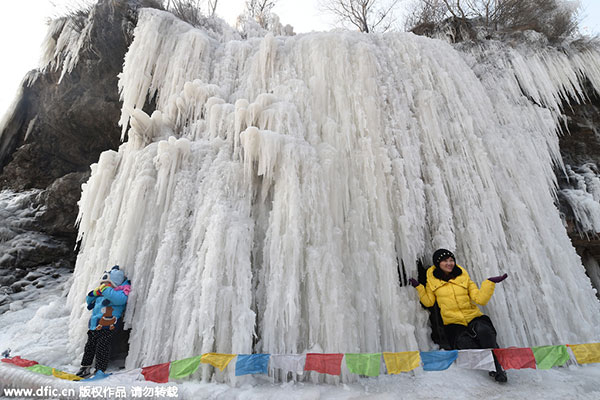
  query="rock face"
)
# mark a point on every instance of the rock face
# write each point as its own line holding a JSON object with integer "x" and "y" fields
{"x": 61, "y": 125}
{"x": 579, "y": 196}
{"x": 65, "y": 117}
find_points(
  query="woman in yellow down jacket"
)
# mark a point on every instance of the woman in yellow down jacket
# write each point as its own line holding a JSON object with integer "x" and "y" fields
{"x": 457, "y": 295}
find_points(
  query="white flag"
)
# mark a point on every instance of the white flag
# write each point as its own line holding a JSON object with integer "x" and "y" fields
{"x": 476, "y": 359}
{"x": 288, "y": 362}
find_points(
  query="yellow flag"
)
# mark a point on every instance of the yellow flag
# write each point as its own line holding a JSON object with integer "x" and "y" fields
{"x": 65, "y": 375}
{"x": 217, "y": 360}
{"x": 586, "y": 353}
{"x": 401, "y": 362}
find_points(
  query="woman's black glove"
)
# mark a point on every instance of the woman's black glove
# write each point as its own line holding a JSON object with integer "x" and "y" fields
{"x": 413, "y": 282}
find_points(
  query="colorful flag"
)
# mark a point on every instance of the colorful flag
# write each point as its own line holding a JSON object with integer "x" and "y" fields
{"x": 182, "y": 368}
{"x": 97, "y": 376}
{"x": 157, "y": 373}
{"x": 324, "y": 363}
{"x": 19, "y": 362}
{"x": 401, "y": 362}
{"x": 289, "y": 362}
{"x": 65, "y": 375}
{"x": 130, "y": 375}
{"x": 476, "y": 359}
{"x": 217, "y": 360}
{"x": 547, "y": 357}
{"x": 40, "y": 369}
{"x": 251, "y": 364}
{"x": 438, "y": 360}
{"x": 515, "y": 357}
{"x": 586, "y": 353}
{"x": 363, "y": 364}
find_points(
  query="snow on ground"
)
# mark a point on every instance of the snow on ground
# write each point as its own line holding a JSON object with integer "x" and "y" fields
{"x": 37, "y": 331}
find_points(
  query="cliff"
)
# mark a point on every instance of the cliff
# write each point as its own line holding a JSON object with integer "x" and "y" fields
{"x": 66, "y": 114}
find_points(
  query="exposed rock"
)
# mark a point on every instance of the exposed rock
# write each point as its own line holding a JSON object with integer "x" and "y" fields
{"x": 452, "y": 30}
{"x": 580, "y": 150}
{"x": 65, "y": 117}
{"x": 62, "y": 126}
{"x": 60, "y": 201}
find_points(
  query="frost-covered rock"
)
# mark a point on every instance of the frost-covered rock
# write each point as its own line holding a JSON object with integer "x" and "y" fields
{"x": 63, "y": 117}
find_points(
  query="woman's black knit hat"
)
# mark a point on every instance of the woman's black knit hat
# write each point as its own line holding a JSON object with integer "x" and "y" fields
{"x": 440, "y": 255}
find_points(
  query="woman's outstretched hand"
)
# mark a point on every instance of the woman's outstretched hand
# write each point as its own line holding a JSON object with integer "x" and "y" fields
{"x": 498, "y": 279}
{"x": 413, "y": 282}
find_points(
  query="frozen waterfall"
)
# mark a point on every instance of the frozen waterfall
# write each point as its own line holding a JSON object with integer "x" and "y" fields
{"x": 267, "y": 202}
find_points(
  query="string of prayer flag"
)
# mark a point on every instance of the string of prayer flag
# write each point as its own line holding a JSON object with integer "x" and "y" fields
{"x": 476, "y": 359}
{"x": 401, "y": 362}
{"x": 324, "y": 363}
{"x": 547, "y": 357}
{"x": 586, "y": 353}
{"x": 157, "y": 373}
{"x": 19, "y": 362}
{"x": 217, "y": 360}
{"x": 251, "y": 364}
{"x": 99, "y": 375}
{"x": 65, "y": 375}
{"x": 182, "y": 368}
{"x": 288, "y": 362}
{"x": 40, "y": 369}
{"x": 364, "y": 364}
{"x": 515, "y": 358}
{"x": 438, "y": 360}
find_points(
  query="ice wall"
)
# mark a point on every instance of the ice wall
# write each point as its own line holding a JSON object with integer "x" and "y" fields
{"x": 266, "y": 204}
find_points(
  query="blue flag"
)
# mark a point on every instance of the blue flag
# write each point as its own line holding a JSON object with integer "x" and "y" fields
{"x": 97, "y": 376}
{"x": 251, "y": 364}
{"x": 438, "y": 360}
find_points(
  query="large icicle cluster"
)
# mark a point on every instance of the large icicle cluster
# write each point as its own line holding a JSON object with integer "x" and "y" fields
{"x": 63, "y": 43}
{"x": 268, "y": 202}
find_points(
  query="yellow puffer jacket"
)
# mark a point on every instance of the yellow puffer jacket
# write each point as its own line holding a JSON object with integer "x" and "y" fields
{"x": 456, "y": 297}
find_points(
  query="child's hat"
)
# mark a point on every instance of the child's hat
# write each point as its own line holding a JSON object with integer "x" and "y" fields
{"x": 115, "y": 276}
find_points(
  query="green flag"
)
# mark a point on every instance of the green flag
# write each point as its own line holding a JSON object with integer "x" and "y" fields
{"x": 547, "y": 357}
{"x": 363, "y": 364}
{"x": 40, "y": 369}
{"x": 182, "y": 368}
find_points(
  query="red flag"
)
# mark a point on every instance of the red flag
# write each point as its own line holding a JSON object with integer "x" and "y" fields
{"x": 19, "y": 362}
{"x": 515, "y": 358}
{"x": 157, "y": 373}
{"x": 324, "y": 363}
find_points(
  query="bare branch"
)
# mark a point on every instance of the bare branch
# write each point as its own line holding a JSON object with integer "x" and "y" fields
{"x": 554, "y": 18}
{"x": 212, "y": 7}
{"x": 260, "y": 11}
{"x": 366, "y": 15}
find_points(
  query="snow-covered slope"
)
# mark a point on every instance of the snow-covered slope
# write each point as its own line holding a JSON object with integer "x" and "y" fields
{"x": 266, "y": 204}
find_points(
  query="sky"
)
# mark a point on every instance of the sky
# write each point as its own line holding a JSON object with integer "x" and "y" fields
{"x": 23, "y": 28}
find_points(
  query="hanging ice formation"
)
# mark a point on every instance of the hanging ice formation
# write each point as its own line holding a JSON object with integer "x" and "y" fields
{"x": 266, "y": 203}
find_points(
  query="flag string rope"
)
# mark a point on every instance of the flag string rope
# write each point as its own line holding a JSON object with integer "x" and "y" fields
{"x": 365, "y": 364}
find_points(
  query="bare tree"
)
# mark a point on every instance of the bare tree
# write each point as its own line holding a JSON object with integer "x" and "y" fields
{"x": 554, "y": 18}
{"x": 191, "y": 10}
{"x": 366, "y": 15}
{"x": 212, "y": 7}
{"x": 260, "y": 11}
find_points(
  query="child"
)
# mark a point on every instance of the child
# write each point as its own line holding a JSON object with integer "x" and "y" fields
{"x": 107, "y": 303}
